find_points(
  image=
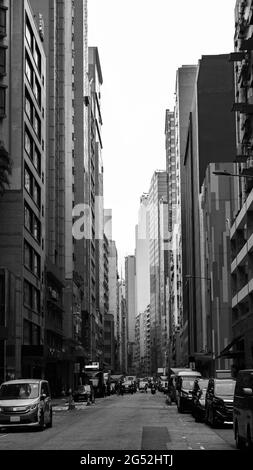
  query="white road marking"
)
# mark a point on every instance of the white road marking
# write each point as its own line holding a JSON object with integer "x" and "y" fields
{"x": 4, "y": 435}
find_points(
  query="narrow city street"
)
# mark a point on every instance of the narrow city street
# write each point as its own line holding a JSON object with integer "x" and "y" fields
{"x": 130, "y": 422}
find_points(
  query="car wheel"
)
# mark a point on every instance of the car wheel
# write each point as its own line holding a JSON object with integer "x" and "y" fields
{"x": 41, "y": 422}
{"x": 240, "y": 444}
{"x": 179, "y": 406}
{"x": 50, "y": 424}
{"x": 249, "y": 441}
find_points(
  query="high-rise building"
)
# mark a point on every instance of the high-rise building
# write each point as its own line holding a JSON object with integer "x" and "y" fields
{"x": 240, "y": 349}
{"x": 210, "y": 138}
{"x": 157, "y": 191}
{"x": 22, "y": 206}
{"x": 185, "y": 81}
{"x": 130, "y": 280}
{"x": 122, "y": 327}
{"x": 173, "y": 287}
{"x": 142, "y": 256}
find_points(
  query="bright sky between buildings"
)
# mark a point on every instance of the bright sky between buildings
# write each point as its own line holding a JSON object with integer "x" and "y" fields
{"x": 141, "y": 44}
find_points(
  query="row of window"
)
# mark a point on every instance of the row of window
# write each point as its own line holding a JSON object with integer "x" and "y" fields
{"x": 33, "y": 44}
{"x": 31, "y": 333}
{"x": 32, "y": 259}
{"x": 32, "y": 151}
{"x": 31, "y": 296}
{"x": 2, "y": 21}
{"x": 32, "y": 79}
{"x": 2, "y": 59}
{"x": 32, "y": 115}
{"x": 32, "y": 186}
{"x": 32, "y": 223}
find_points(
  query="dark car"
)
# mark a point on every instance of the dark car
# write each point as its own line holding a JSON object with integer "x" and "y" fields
{"x": 198, "y": 399}
{"x": 81, "y": 393}
{"x": 243, "y": 409}
{"x": 219, "y": 401}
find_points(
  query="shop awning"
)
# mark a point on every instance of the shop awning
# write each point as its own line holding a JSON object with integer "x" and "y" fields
{"x": 231, "y": 354}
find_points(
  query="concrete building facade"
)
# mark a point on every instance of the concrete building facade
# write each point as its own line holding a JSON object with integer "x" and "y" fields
{"x": 22, "y": 206}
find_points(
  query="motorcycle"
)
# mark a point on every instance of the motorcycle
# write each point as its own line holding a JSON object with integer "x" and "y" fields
{"x": 153, "y": 390}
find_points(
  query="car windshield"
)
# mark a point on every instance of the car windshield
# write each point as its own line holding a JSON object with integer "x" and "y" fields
{"x": 187, "y": 384}
{"x": 20, "y": 391}
{"x": 226, "y": 388}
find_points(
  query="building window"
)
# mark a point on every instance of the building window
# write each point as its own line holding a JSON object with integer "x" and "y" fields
{"x": 28, "y": 144}
{"x": 31, "y": 296}
{"x": 32, "y": 223}
{"x": 2, "y": 101}
{"x": 27, "y": 294}
{"x": 28, "y": 107}
{"x": 37, "y": 58}
{"x": 37, "y": 160}
{"x": 36, "y": 193}
{"x": 29, "y": 34}
{"x": 37, "y": 91}
{"x": 36, "y": 264}
{"x": 36, "y": 229}
{"x": 28, "y": 219}
{"x": 37, "y": 126}
{"x": 27, "y": 340}
{"x": 2, "y": 21}
{"x": 28, "y": 256}
{"x": 28, "y": 70}
{"x": 28, "y": 181}
{"x": 2, "y": 60}
{"x": 36, "y": 300}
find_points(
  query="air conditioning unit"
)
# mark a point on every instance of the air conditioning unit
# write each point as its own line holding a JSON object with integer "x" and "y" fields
{"x": 41, "y": 27}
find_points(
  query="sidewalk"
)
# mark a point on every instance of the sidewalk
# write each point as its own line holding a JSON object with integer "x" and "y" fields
{"x": 62, "y": 404}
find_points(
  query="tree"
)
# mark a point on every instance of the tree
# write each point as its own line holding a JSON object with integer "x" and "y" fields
{"x": 5, "y": 169}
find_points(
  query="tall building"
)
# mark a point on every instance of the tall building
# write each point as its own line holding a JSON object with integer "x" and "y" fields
{"x": 157, "y": 191}
{"x": 164, "y": 281}
{"x": 122, "y": 327}
{"x": 65, "y": 44}
{"x": 22, "y": 206}
{"x": 113, "y": 292}
{"x": 185, "y": 81}
{"x": 142, "y": 256}
{"x": 210, "y": 139}
{"x": 173, "y": 287}
{"x": 130, "y": 280}
{"x": 240, "y": 349}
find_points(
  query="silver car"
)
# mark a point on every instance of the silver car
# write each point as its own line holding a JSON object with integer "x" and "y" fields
{"x": 25, "y": 402}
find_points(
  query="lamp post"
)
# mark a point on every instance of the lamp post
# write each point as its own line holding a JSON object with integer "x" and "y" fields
{"x": 189, "y": 276}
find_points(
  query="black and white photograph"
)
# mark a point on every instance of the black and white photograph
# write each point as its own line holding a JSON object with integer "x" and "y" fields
{"x": 126, "y": 231}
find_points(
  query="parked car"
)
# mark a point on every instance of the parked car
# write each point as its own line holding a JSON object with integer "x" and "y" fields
{"x": 143, "y": 386}
{"x": 243, "y": 409}
{"x": 198, "y": 399}
{"x": 184, "y": 385}
{"x": 219, "y": 401}
{"x": 128, "y": 386}
{"x": 81, "y": 393}
{"x": 25, "y": 402}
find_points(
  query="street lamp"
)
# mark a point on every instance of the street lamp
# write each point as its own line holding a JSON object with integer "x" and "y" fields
{"x": 189, "y": 276}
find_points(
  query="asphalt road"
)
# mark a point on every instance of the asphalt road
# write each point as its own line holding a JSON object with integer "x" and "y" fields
{"x": 130, "y": 422}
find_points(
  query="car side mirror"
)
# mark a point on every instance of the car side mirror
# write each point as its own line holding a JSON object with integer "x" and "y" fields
{"x": 248, "y": 391}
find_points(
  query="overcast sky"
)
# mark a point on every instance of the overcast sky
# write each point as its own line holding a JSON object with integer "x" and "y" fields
{"x": 141, "y": 44}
